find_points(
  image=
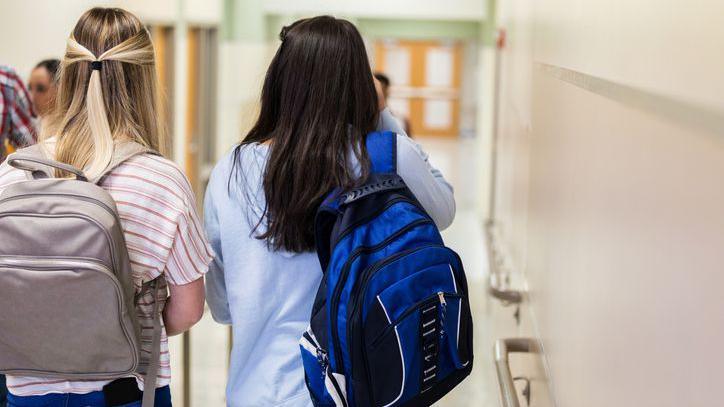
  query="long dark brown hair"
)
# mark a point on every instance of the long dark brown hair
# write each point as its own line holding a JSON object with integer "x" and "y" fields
{"x": 317, "y": 104}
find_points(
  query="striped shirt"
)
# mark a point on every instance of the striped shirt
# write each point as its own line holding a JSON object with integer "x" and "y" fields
{"x": 163, "y": 235}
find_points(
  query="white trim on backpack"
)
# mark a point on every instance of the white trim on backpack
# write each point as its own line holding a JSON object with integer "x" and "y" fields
{"x": 402, "y": 356}
{"x": 308, "y": 346}
{"x": 452, "y": 274}
{"x": 384, "y": 309}
{"x": 339, "y": 397}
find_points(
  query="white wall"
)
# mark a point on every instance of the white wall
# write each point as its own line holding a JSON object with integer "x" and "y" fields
{"x": 469, "y": 97}
{"x": 664, "y": 45}
{"x": 422, "y": 9}
{"x": 169, "y": 11}
{"x": 609, "y": 196}
{"x": 39, "y": 29}
{"x": 156, "y": 11}
{"x": 33, "y": 31}
{"x": 242, "y": 69}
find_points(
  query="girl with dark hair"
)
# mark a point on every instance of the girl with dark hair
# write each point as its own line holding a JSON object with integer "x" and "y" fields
{"x": 318, "y": 103}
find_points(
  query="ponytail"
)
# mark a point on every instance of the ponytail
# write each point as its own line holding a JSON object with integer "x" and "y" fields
{"x": 101, "y": 101}
{"x": 100, "y": 130}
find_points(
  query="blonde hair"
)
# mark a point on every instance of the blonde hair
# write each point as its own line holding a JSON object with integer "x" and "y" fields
{"x": 97, "y": 108}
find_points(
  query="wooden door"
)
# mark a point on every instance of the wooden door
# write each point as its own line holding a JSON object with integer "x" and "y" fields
{"x": 425, "y": 83}
{"x": 163, "y": 44}
{"x": 199, "y": 140}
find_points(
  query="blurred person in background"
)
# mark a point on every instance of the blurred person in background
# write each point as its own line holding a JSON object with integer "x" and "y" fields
{"x": 384, "y": 83}
{"x": 17, "y": 124}
{"x": 318, "y": 103}
{"x": 43, "y": 85}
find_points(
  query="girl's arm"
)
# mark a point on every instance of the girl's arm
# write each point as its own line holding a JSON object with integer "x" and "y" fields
{"x": 425, "y": 181}
{"x": 388, "y": 122}
{"x": 216, "y": 295}
{"x": 184, "y": 308}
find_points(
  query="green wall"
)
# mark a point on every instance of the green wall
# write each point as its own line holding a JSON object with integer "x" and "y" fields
{"x": 418, "y": 29}
{"x": 245, "y": 20}
{"x": 393, "y": 28}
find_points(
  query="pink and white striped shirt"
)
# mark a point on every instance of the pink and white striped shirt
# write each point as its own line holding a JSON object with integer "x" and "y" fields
{"x": 164, "y": 236}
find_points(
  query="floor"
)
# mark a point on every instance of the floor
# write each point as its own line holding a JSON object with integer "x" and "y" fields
{"x": 455, "y": 158}
{"x": 208, "y": 341}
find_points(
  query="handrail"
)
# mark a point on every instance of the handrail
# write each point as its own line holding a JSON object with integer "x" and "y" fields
{"x": 505, "y": 295}
{"x": 494, "y": 287}
{"x": 503, "y": 347}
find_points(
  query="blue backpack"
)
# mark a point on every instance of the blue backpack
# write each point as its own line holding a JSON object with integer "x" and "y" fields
{"x": 391, "y": 322}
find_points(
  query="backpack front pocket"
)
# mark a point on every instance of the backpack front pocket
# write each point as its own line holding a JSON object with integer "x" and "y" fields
{"x": 417, "y": 349}
{"x": 64, "y": 317}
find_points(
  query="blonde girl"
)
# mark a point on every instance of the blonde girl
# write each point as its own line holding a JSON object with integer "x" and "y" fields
{"x": 107, "y": 94}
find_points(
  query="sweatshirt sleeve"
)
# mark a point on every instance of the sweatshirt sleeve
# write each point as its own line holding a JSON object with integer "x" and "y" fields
{"x": 388, "y": 122}
{"x": 216, "y": 295}
{"x": 425, "y": 181}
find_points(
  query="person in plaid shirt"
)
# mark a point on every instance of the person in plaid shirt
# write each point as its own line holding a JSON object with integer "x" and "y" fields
{"x": 17, "y": 119}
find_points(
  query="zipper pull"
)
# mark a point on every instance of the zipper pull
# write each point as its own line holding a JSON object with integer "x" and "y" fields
{"x": 443, "y": 305}
{"x": 322, "y": 359}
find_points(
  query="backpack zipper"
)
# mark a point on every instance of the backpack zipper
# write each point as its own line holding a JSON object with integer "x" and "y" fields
{"x": 440, "y": 299}
{"x": 94, "y": 201}
{"x": 53, "y": 263}
{"x": 443, "y": 306}
{"x": 78, "y": 216}
{"x": 334, "y": 303}
{"x": 83, "y": 198}
{"x": 349, "y": 229}
{"x": 368, "y": 273}
{"x": 371, "y": 270}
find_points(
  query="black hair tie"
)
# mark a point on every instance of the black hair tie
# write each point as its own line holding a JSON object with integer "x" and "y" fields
{"x": 96, "y": 65}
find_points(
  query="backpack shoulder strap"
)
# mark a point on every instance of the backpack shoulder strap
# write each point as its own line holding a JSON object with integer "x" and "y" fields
{"x": 382, "y": 150}
{"x": 36, "y": 163}
{"x": 121, "y": 153}
{"x": 34, "y": 160}
{"x": 151, "y": 377}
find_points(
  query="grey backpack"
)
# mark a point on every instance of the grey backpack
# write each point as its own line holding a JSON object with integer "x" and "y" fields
{"x": 66, "y": 293}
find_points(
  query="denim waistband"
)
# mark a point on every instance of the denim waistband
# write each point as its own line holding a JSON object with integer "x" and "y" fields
{"x": 93, "y": 399}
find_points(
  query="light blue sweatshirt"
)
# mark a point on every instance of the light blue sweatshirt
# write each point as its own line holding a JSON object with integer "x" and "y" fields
{"x": 267, "y": 295}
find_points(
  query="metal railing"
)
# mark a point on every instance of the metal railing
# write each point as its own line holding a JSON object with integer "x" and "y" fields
{"x": 503, "y": 347}
{"x": 499, "y": 277}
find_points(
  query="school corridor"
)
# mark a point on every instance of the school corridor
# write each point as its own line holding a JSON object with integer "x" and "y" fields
{"x": 584, "y": 140}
